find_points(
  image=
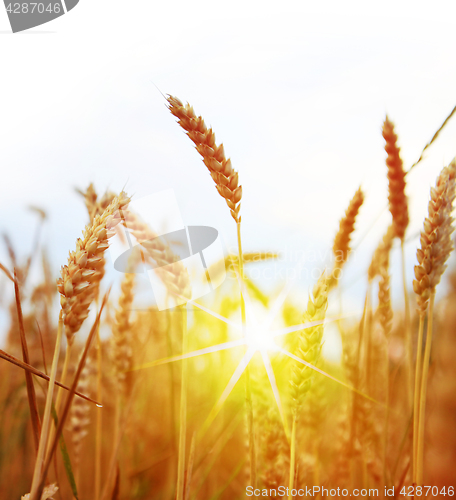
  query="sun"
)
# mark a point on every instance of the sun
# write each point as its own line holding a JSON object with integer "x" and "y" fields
{"x": 260, "y": 338}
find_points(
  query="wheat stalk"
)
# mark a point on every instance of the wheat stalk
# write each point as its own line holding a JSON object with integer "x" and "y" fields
{"x": 380, "y": 259}
{"x": 385, "y": 318}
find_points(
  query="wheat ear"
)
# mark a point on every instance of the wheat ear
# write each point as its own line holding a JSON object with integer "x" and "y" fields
{"x": 396, "y": 178}
{"x": 341, "y": 247}
{"x": 78, "y": 419}
{"x": 436, "y": 246}
{"x": 121, "y": 345}
{"x": 308, "y": 349}
{"x": 225, "y": 178}
{"x": 79, "y": 279}
{"x": 380, "y": 259}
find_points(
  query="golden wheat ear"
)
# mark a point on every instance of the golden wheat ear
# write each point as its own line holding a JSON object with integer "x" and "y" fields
{"x": 341, "y": 247}
{"x": 225, "y": 177}
{"x": 436, "y": 246}
{"x": 396, "y": 181}
{"x": 436, "y": 242}
{"x": 78, "y": 284}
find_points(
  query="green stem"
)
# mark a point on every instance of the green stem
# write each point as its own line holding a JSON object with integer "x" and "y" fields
{"x": 248, "y": 390}
{"x": 183, "y": 409}
{"x": 424, "y": 381}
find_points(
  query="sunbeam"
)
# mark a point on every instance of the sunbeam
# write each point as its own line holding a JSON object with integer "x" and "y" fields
{"x": 199, "y": 352}
{"x": 230, "y": 386}
{"x": 309, "y": 365}
{"x": 275, "y": 390}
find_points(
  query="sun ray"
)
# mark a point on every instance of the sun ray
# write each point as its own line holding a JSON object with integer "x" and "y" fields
{"x": 275, "y": 390}
{"x": 255, "y": 343}
{"x": 216, "y": 315}
{"x": 230, "y": 386}
{"x": 309, "y": 324}
{"x": 313, "y": 367}
{"x": 199, "y": 352}
{"x": 248, "y": 301}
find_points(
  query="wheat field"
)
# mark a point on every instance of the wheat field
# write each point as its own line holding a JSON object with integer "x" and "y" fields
{"x": 169, "y": 405}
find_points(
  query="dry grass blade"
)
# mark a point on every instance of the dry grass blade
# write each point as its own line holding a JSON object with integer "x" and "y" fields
{"x": 31, "y": 369}
{"x": 434, "y": 137}
{"x": 28, "y": 376}
{"x": 5, "y": 270}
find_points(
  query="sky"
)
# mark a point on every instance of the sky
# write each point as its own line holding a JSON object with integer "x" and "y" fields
{"x": 297, "y": 91}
